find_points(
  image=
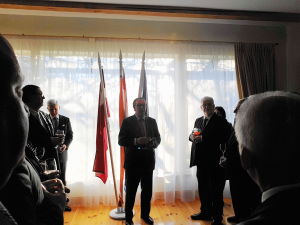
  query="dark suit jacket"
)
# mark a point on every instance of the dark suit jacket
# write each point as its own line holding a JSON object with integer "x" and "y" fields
{"x": 39, "y": 137}
{"x": 22, "y": 194}
{"x": 207, "y": 152}
{"x": 280, "y": 209}
{"x": 5, "y": 217}
{"x": 65, "y": 124}
{"x": 24, "y": 198}
{"x": 141, "y": 157}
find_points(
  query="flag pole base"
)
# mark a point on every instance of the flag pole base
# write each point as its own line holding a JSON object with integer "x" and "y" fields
{"x": 118, "y": 213}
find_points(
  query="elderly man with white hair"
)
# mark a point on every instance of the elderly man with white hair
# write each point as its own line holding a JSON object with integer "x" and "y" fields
{"x": 61, "y": 123}
{"x": 267, "y": 129}
{"x": 209, "y": 132}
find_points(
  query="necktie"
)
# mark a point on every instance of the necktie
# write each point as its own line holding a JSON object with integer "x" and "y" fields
{"x": 55, "y": 123}
{"x": 205, "y": 122}
{"x": 142, "y": 127}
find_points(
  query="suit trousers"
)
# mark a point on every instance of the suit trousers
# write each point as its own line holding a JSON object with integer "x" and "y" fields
{"x": 132, "y": 179}
{"x": 211, "y": 183}
{"x": 63, "y": 157}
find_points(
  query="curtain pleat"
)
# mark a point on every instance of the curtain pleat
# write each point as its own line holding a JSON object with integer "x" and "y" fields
{"x": 255, "y": 68}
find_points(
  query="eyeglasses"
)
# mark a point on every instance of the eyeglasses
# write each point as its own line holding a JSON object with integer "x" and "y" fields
{"x": 140, "y": 105}
{"x": 209, "y": 105}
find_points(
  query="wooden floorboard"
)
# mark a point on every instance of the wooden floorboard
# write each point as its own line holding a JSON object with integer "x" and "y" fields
{"x": 163, "y": 214}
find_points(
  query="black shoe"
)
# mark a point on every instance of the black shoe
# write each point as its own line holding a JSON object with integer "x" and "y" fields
{"x": 200, "y": 216}
{"x": 148, "y": 220}
{"x": 233, "y": 219}
{"x": 68, "y": 208}
{"x": 67, "y": 190}
{"x": 217, "y": 222}
{"x": 129, "y": 222}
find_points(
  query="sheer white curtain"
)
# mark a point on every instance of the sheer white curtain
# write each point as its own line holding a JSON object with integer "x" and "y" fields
{"x": 179, "y": 74}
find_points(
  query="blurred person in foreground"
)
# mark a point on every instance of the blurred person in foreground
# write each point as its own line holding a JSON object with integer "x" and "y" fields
{"x": 245, "y": 194}
{"x": 267, "y": 130}
{"x": 29, "y": 201}
{"x": 14, "y": 122}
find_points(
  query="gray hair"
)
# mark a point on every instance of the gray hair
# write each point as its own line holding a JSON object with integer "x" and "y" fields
{"x": 207, "y": 98}
{"x": 135, "y": 100}
{"x": 268, "y": 124}
{"x": 52, "y": 102}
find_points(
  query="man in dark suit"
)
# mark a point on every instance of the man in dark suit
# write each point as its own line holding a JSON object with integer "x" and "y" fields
{"x": 212, "y": 131}
{"x": 140, "y": 136}
{"x": 61, "y": 123}
{"x": 41, "y": 133}
{"x": 267, "y": 130}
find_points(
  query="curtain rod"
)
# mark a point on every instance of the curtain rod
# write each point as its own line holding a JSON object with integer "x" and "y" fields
{"x": 125, "y": 38}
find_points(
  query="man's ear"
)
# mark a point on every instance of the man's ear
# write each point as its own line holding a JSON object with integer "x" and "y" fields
{"x": 247, "y": 158}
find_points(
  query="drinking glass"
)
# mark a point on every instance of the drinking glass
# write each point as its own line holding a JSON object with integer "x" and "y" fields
{"x": 50, "y": 165}
{"x": 60, "y": 133}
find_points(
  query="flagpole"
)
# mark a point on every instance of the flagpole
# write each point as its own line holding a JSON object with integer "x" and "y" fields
{"x": 107, "y": 128}
{"x": 122, "y": 115}
{"x": 111, "y": 157}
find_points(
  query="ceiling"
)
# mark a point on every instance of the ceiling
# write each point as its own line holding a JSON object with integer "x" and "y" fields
{"x": 286, "y": 6}
{"x": 199, "y": 11}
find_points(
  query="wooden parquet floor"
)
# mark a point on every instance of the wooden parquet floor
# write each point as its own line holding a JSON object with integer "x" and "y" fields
{"x": 163, "y": 214}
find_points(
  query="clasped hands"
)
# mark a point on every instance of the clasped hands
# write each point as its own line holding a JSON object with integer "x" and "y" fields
{"x": 54, "y": 190}
{"x": 144, "y": 140}
{"x": 56, "y": 140}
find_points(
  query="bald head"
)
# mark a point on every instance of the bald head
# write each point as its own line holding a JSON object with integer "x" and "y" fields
{"x": 13, "y": 119}
{"x": 267, "y": 129}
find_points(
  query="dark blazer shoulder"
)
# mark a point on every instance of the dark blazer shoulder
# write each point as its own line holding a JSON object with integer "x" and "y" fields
{"x": 198, "y": 122}
{"x": 150, "y": 119}
{"x": 63, "y": 118}
{"x": 129, "y": 120}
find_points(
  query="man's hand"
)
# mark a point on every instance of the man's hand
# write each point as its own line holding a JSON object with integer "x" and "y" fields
{"x": 53, "y": 186}
{"x": 57, "y": 140}
{"x": 54, "y": 191}
{"x": 62, "y": 148}
{"x": 51, "y": 174}
{"x": 143, "y": 140}
{"x": 197, "y": 138}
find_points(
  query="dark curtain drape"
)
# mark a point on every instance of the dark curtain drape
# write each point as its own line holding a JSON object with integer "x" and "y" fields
{"x": 255, "y": 68}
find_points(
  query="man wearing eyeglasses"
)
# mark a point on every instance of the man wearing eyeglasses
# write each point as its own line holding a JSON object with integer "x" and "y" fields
{"x": 213, "y": 130}
{"x": 140, "y": 136}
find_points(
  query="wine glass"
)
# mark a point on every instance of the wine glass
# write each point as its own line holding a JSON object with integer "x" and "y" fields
{"x": 60, "y": 133}
{"x": 50, "y": 165}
